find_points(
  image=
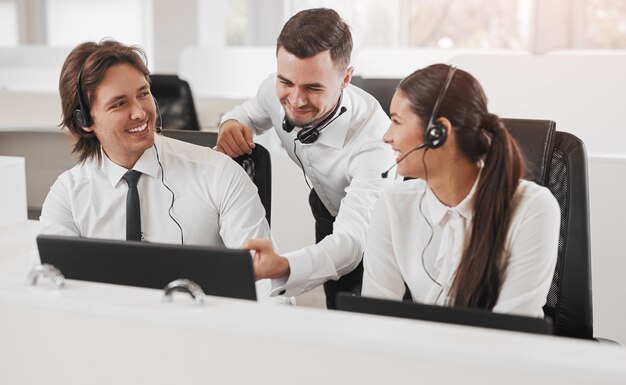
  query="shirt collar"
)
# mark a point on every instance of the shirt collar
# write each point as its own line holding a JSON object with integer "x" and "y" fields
{"x": 146, "y": 164}
{"x": 438, "y": 210}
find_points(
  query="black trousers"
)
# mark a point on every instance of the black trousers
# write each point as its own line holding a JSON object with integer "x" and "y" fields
{"x": 350, "y": 282}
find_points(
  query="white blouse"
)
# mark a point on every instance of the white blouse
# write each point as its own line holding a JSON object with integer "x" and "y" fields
{"x": 423, "y": 246}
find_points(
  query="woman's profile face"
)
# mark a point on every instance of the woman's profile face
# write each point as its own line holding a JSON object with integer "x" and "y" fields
{"x": 404, "y": 134}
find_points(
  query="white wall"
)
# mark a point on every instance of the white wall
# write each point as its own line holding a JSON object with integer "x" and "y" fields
{"x": 607, "y": 184}
{"x": 583, "y": 91}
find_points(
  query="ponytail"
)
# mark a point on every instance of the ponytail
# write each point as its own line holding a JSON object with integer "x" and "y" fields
{"x": 478, "y": 279}
{"x": 480, "y": 135}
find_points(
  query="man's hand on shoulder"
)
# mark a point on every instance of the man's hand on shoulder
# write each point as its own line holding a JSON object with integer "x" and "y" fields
{"x": 234, "y": 139}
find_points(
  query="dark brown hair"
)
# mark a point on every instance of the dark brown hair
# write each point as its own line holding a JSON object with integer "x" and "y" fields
{"x": 93, "y": 59}
{"x": 480, "y": 135}
{"x": 312, "y": 31}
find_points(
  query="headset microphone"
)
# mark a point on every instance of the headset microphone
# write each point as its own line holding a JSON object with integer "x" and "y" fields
{"x": 386, "y": 173}
{"x": 310, "y": 134}
{"x": 435, "y": 133}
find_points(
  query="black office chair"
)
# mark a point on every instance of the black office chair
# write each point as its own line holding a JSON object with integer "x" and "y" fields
{"x": 257, "y": 165}
{"x": 200, "y": 138}
{"x": 175, "y": 100}
{"x": 381, "y": 89}
{"x": 558, "y": 161}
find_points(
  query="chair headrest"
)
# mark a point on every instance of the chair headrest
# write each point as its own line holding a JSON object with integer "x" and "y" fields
{"x": 536, "y": 140}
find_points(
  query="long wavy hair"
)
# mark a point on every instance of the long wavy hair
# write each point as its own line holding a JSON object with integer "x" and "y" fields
{"x": 93, "y": 59}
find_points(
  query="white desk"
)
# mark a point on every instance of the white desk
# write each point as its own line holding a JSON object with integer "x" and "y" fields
{"x": 18, "y": 250}
{"x": 105, "y": 334}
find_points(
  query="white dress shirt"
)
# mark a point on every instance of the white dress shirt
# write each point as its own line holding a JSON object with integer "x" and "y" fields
{"x": 399, "y": 250}
{"x": 344, "y": 167}
{"x": 215, "y": 202}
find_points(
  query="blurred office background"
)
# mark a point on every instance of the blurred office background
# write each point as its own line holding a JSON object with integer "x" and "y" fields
{"x": 166, "y": 27}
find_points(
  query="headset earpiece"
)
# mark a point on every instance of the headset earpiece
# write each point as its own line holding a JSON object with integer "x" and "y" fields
{"x": 436, "y": 133}
{"x": 80, "y": 118}
{"x": 308, "y": 135}
{"x": 436, "y": 136}
{"x": 287, "y": 125}
{"x": 82, "y": 115}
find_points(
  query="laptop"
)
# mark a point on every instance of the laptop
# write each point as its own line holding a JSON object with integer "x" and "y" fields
{"x": 459, "y": 316}
{"x": 219, "y": 271}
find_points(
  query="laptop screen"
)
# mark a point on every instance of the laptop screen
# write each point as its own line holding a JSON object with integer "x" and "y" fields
{"x": 219, "y": 271}
{"x": 460, "y": 316}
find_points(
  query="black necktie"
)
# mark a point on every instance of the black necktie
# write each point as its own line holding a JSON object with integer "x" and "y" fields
{"x": 133, "y": 213}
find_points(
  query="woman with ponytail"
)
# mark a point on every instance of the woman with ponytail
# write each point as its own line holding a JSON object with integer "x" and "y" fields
{"x": 467, "y": 231}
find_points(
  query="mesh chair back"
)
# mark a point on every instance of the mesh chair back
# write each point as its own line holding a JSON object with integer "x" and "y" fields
{"x": 569, "y": 301}
{"x": 258, "y": 165}
{"x": 557, "y": 160}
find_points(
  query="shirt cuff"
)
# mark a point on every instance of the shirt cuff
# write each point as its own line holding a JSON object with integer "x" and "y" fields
{"x": 271, "y": 292}
{"x": 300, "y": 266}
{"x": 278, "y": 287}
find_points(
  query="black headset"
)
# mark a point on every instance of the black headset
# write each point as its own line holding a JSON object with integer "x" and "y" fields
{"x": 82, "y": 115}
{"x": 310, "y": 134}
{"x": 436, "y": 133}
{"x": 435, "y": 136}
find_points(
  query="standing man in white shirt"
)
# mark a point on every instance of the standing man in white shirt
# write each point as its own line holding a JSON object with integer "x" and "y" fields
{"x": 185, "y": 193}
{"x": 333, "y": 131}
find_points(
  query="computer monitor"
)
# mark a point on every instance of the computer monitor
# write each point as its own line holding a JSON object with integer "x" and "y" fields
{"x": 460, "y": 316}
{"x": 219, "y": 271}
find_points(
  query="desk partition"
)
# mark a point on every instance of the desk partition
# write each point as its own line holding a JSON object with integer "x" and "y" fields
{"x": 101, "y": 334}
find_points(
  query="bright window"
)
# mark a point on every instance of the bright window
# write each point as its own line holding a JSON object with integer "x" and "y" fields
{"x": 70, "y": 22}
{"x": 605, "y": 24}
{"x": 432, "y": 23}
{"x": 499, "y": 24}
{"x": 8, "y": 24}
